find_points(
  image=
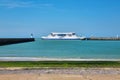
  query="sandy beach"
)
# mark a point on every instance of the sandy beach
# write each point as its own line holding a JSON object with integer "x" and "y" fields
{"x": 57, "y": 77}
{"x": 60, "y": 74}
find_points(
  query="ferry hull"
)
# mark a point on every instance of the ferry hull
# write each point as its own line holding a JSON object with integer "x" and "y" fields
{"x": 63, "y": 38}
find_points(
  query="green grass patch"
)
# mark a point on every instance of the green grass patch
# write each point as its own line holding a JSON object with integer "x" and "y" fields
{"x": 60, "y": 64}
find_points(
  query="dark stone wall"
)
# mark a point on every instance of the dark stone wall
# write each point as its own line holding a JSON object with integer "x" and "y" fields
{"x": 6, "y": 41}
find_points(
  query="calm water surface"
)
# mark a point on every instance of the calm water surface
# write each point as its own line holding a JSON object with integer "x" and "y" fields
{"x": 63, "y": 49}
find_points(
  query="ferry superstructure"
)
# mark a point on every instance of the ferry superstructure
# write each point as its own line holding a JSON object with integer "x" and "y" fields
{"x": 62, "y": 36}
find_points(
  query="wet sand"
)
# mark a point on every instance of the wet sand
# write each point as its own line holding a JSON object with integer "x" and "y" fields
{"x": 50, "y": 59}
{"x": 60, "y": 74}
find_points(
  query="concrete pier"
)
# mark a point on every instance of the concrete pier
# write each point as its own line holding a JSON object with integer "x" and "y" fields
{"x": 103, "y": 38}
{"x": 6, "y": 41}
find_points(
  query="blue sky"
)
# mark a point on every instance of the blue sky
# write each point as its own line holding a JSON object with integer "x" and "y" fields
{"x": 20, "y": 18}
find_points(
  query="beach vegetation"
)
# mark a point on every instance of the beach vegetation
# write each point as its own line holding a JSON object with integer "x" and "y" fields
{"x": 60, "y": 64}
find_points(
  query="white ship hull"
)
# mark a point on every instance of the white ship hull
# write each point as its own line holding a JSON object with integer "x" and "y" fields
{"x": 62, "y": 36}
{"x": 47, "y": 38}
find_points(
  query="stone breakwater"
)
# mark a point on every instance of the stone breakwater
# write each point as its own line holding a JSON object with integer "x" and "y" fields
{"x": 103, "y": 38}
{"x": 6, "y": 41}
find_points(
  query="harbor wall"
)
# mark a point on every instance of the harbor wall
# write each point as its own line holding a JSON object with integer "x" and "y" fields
{"x": 6, "y": 41}
{"x": 103, "y": 38}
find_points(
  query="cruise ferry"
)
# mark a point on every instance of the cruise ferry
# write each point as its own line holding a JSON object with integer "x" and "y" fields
{"x": 62, "y": 36}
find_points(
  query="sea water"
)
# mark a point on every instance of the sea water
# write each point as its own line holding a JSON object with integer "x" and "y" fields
{"x": 78, "y": 49}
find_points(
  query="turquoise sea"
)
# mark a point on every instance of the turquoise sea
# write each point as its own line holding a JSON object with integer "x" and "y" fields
{"x": 64, "y": 49}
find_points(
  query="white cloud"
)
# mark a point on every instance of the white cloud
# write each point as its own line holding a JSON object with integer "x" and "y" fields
{"x": 22, "y": 4}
